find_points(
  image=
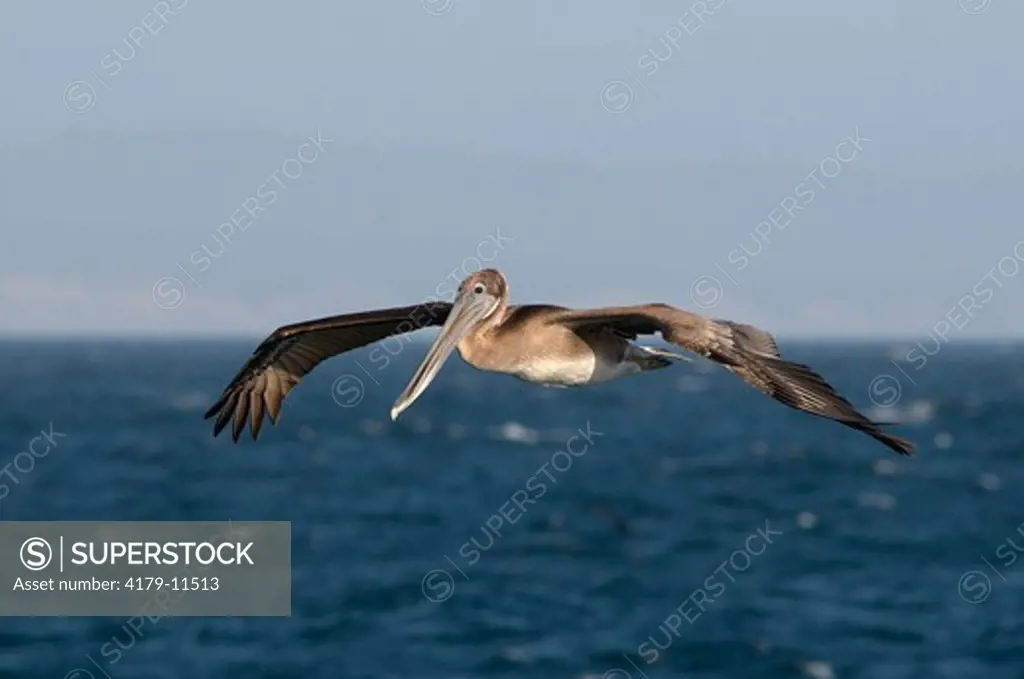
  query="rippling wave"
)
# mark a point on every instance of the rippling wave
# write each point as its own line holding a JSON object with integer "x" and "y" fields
{"x": 691, "y": 528}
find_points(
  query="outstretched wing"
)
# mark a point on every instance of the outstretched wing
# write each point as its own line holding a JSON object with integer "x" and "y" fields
{"x": 746, "y": 351}
{"x": 292, "y": 351}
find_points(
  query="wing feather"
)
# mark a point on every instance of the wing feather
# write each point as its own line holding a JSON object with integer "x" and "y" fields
{"x": 293, "y": 351}
{"x": 256, "y": 404}
{"x": 744, "y": 350}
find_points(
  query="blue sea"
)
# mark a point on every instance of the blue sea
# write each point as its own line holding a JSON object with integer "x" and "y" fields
{"x": 675, "y": 524}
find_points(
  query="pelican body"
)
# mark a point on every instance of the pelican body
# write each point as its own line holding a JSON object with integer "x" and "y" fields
{"x": 542, "y": 344}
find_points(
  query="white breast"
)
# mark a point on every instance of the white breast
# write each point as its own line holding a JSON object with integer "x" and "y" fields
{"x": 574, "y": 372}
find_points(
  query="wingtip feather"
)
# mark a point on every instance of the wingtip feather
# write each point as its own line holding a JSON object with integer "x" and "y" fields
{"x": 900, "y": 445}
{"x": 214, "y": 409}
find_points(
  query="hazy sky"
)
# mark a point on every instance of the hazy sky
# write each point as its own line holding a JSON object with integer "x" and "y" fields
{"x": 625, "y": 151}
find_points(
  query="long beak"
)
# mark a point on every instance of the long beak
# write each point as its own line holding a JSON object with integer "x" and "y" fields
{"x": 465, "y": 314}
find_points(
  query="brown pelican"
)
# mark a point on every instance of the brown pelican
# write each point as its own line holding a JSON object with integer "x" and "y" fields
{"x": 548, "y": 345}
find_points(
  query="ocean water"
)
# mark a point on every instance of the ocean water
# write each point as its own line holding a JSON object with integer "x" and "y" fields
{"x": 697, "y": 529}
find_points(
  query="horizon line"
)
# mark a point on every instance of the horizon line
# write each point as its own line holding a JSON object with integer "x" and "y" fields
{"x": 44, "y": 336}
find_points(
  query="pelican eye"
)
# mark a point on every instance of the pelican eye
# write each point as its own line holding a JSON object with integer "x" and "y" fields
{"x": 478, "y": 288}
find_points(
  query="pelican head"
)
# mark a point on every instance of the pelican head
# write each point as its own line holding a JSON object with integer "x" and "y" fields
{"x": 479, "y": 298}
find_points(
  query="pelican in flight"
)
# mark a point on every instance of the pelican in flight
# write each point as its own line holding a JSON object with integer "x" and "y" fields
{"x": 543, "y": 344}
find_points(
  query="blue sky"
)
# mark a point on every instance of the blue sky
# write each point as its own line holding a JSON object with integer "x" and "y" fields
{"x": 820, "y": 169}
